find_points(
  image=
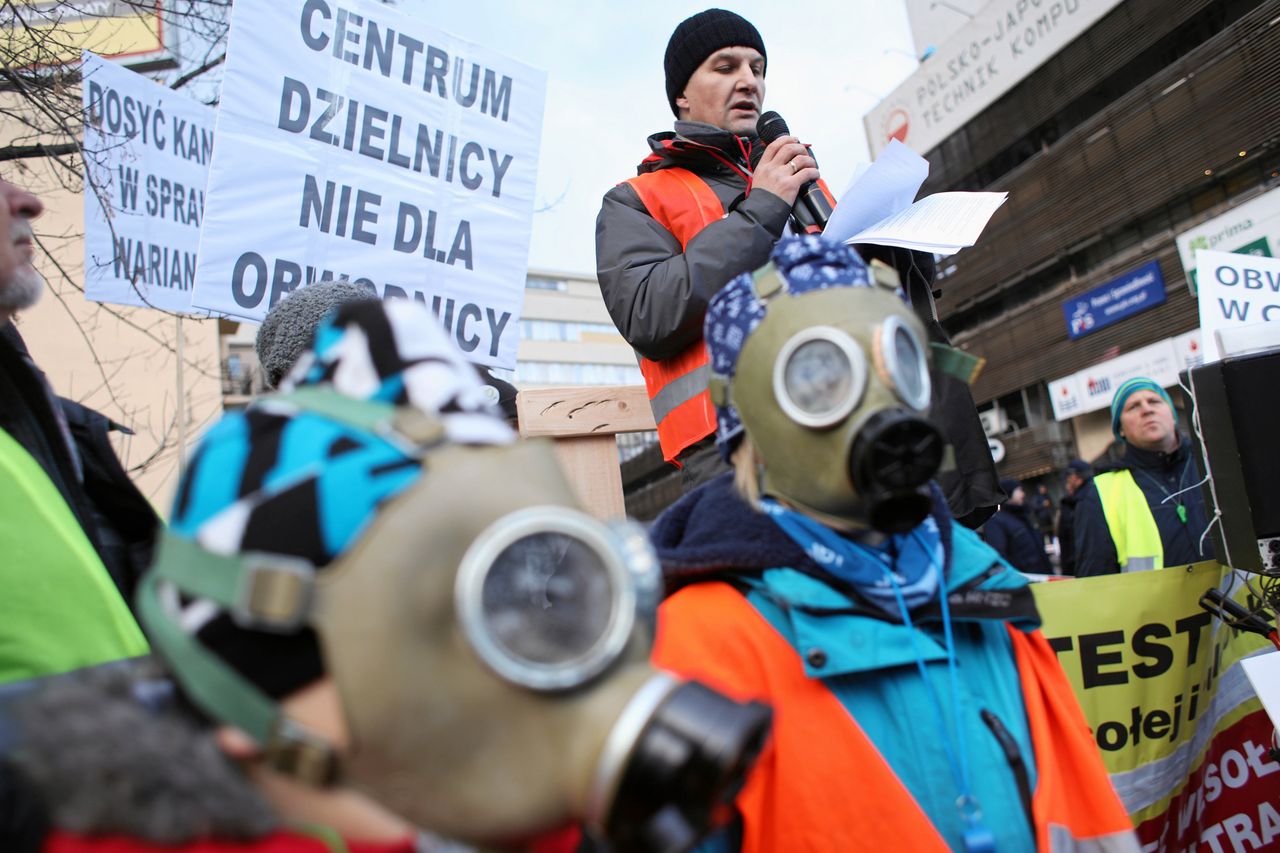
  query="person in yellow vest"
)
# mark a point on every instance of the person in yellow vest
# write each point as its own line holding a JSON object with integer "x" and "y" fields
{"x": 917, "y": 706}
{"x": 74, "y": 531}
{"x": 708, "y": 203}
{"x": 1148, "y": 511}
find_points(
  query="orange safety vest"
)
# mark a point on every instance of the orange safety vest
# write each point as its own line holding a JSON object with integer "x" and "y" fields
{"x": 683, "y": 204}
{"x": 806, "y": 787}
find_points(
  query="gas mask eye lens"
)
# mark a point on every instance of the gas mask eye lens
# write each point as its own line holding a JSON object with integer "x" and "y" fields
{"x": 819, "y": 376}
{"x": 545, "y": 598}
{"x": 904, "y": 364}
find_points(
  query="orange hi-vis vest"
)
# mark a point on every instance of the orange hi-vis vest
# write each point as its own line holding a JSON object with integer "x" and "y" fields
{"x": 677, "y": 387}
{"x": 821, "y": 784}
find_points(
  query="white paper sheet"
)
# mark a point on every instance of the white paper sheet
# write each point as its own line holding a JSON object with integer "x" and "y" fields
{"x": 879, "y": 191}
{"x": 1264, "y": 674}
{"x": 943, "y": 223}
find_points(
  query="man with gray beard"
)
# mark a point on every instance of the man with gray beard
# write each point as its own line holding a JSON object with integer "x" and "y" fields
{"x": 75, "y": 533}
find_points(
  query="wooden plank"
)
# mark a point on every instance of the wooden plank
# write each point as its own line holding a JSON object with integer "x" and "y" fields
{"x": 591, "y": 464}
{"x": 579, "y": 411}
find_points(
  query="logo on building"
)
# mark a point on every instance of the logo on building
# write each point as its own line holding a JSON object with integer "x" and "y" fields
{"x": 1081, "y": 318}
{"x": 1096, "y": 386}
{"x": 897, "y": 125}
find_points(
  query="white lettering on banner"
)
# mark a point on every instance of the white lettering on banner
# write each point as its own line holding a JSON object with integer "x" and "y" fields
{"x": 1236, "y": 290}
{"x": 147, "y": 151}
{"x": 353, "y": 138}
{"x": 1003, "y": 43}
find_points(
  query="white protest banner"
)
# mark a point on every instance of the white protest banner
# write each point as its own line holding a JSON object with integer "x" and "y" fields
{"x": 146, "y": 162}
{"x": 1236, "y": 290}
{"x": 355, "y": 141}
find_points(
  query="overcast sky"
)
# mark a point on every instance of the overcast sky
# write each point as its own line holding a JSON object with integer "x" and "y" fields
{"x": 829, "y": 63}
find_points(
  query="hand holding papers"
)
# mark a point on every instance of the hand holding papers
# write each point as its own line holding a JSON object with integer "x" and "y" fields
{"x": 877, "y": 208}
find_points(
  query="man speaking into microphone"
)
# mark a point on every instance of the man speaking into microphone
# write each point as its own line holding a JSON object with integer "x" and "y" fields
{"x": 696, "y": 215}
{"x": 707, "y": 204}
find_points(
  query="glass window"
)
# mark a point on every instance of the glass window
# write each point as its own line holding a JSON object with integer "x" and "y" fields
{"x": 537, "y": 282}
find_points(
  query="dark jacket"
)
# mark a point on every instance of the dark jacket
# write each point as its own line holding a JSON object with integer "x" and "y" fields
{"x": 1158, "y": 475}
{"x": 69, "y": 442}
{"x": 1067, "y": 529}
{"x": 1011, "y": 532}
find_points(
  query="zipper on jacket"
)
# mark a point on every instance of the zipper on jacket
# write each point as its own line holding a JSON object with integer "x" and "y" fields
{"x": 1016, "y": 763}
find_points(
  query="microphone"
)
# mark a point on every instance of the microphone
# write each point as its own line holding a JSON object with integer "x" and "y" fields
{"x": 812, "y": 209}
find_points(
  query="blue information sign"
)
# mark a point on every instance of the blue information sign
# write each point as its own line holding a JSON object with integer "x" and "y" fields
{"x": 1131, "y": 293}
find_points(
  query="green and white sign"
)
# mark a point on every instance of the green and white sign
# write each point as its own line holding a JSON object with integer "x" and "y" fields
{"x": 1253, "y": 228}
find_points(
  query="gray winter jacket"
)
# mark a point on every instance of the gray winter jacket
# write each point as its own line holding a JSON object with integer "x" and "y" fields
{"x": 657, "y": 293}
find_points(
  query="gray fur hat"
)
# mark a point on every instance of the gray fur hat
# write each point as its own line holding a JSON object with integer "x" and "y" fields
{"x": 291, "y": 323}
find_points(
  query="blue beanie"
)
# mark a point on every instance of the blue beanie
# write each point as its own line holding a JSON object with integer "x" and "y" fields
{"x": 809, "y": 262}
{"x": 1137, "y": 383}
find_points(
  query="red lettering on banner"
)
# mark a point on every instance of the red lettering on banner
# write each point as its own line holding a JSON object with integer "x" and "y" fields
{"x": 1228, "y": 804}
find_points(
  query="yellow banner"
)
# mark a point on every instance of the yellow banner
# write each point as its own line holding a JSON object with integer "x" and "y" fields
{"x": 1178, "y": 724}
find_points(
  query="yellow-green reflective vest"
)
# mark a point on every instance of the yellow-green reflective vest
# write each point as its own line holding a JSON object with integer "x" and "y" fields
{"x": 59, "y": 609}
{"x": 1133, "y": 528}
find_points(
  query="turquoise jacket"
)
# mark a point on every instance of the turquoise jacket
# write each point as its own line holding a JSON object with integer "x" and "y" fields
{"x": 869, "y": 662}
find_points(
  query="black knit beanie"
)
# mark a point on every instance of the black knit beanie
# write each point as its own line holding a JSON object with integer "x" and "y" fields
{"x": 697, "y": 38}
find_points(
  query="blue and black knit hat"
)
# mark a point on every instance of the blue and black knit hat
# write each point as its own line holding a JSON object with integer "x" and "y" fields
{"x": 806, "y": 263}
{"x": 1137, "y": 383}
{"x": 283, "y": 479}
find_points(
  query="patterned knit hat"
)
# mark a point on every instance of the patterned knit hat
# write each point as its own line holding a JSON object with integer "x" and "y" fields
{"x": 282, "y": 479}
{"x": 806, "y": 263}
{"x": 697, "y": 38}
{"x": 287, "y": 329}
{"x": 1137, "y": 383}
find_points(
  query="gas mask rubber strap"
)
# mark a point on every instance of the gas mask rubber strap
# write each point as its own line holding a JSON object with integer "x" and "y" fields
{"x": 219, "y": 690}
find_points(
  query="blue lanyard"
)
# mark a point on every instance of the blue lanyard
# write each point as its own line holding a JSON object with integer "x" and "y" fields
{"x": 913, "y": 562}
{"x": 977, "y": 837}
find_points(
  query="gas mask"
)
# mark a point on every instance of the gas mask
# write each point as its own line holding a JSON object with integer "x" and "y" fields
{"x": 833, "y": 388}
{"x": 490, "y": 643}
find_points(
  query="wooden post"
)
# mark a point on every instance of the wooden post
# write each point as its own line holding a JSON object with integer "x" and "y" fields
{"x": 583, "y": 422}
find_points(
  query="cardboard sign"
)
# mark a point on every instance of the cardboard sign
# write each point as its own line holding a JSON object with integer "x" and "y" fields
{"x": 358, "y": 142}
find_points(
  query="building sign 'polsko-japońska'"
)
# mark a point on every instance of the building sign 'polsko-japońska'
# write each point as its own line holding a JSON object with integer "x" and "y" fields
{"x": 1131, "y": 293}
{"x": 355, "y": 141}
{"x": 1003, "y": 43}
{"x": 146, "y": 161}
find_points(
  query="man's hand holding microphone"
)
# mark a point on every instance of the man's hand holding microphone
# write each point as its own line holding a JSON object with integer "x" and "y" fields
{"x": 787, "y": 169}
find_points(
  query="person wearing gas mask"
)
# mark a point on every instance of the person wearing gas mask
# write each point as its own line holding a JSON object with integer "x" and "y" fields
{"x": 709, "y": 202}
{"x": 393, "y": 614}
{"x": 917, "y": 705}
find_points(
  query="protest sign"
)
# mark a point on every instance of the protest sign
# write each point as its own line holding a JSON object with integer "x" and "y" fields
{"x": 1236, "y": 290}
{"x": 146, "y": 162}
{"x": 1180, "y": 729}
{"x": 355, "y": 141}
